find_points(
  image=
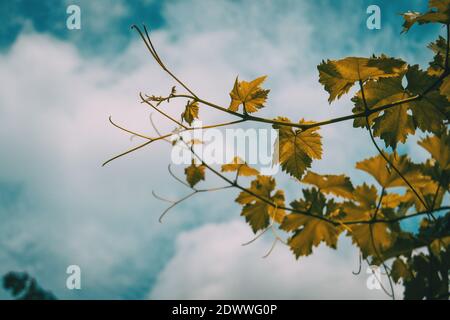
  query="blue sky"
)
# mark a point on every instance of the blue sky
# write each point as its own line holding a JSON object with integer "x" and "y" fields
{"x": 59, "y": 207}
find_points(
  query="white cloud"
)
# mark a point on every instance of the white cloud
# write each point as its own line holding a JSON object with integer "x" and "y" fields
{"x": 54, "y": 105}
{"x": 210, "y": 263}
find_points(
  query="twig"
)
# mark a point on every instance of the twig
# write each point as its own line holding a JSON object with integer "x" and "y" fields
{"x": 379, "y": 149}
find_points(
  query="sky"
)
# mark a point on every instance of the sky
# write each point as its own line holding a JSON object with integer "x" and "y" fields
{"x": 59, "y": 207}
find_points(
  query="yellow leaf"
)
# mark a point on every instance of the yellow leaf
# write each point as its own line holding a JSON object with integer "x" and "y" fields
{"x": 377, "y": 167}
{"x": 393, "y": 200}
{"x": 338, "y": 76}
{"x": 365, "y": 202}
{"x": 258, "y": 212}
{"x": 194, "y": 174}
{"x": 445, "y": 88}
{"x": 241, "y": 167}
{"x": 191, "y": 112}
{"x": 426, "y": 191}
{"x": 295, "y": 149}
{"x": 339, "y": 185}
{"x": 400, "y": 270}
{"x": 439, "y": 13}
{"x": 249, "y": 94}
{"x": 312, "y": 233}
{"x": 430, "y": 112}
{"x": 372, "y": 239}
{"x": 439, "y": 148}
{"x": 440, "y": 244}
{"x": 377, "y": 93}
{"x": 309, "y": 232}
{"x": 439, "y": 47}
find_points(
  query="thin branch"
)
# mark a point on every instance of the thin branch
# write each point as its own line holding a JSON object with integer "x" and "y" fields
{"x": 246, "y": 117}
{"x": 175, "y": 177}
{"x": 375, "y": 249}
{"x": 409, "y": 216}
{"x": 382, "y": 152}
{"x": 155, "y": 55}
{"x": 160, "y": 111}
{"x": 257, "y": 236}
{"x": 447, "y": 47}
{"x": 378, "y": 279}
{"x": 275, "y": 241}
{"x": 163, "y": 137}
{"x": 129, "y": 131}
{"x": 176, "y": 203}
{"x": 127, "y": 152}
{"x": 359, "y": 265}
{"x": 161, "y": 198}
{"x": 269, "y": 202}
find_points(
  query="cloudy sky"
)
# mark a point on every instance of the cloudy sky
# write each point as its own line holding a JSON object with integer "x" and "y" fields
{"x": 59, "y": 207}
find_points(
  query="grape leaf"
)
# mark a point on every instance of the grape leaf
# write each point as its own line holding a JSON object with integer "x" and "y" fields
{"x": 339, "y": 185}
{"x": 439, "y": 148}
{"x": 295, "y": 149}
{"x": 437, "y": 66}
{"x": 365, "y": 201}
{"x": 393, "y": 125}
{"x": 372, "y": 239}
{"x": 436, "y": 232}
{"x": 444, "y": 89}
{"x": 439, "y": 13}
{"x": 194, "y": 173}
{"x": 427, "y": 192}
{"x": 400, "y": 270}
{"x": 249, "y": 94}
{"x": 439, "y": 47}
{"x": 427, "y": 281}
{"x": 376, "y": 167}
{"x": 377, "y": 93}
{"x": 393, "y": 200}
{"x": 191, "y": 112}
{"x": 258, "y": 212}
{"x": 431, "y": 110}
{"x": 238, "y": 165}
{"x": 309, "y": 231}
{"x": 338, "y": 76}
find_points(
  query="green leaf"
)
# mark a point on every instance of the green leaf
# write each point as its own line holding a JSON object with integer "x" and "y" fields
{"x": 338, "y": 76}
{"x": 295, "y": 149}
{"x": 249, "y": 94}
{"x": 256, "y": 211}
{"x": 339, "y": 185}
